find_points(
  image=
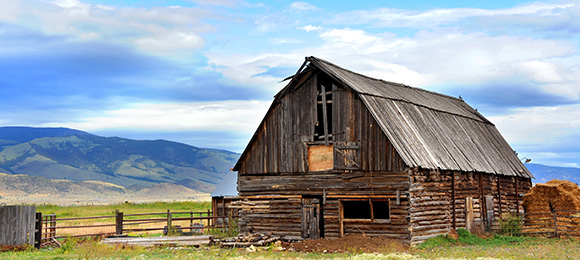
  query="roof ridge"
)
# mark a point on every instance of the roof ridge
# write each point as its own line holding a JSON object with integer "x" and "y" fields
{"x": 384, "y": 81}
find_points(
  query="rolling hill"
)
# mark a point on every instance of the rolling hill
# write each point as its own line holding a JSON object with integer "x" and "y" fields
{"x": 544, "y": 173}
{"x": 20, "y": 188}
{"x": 68, "y": 154}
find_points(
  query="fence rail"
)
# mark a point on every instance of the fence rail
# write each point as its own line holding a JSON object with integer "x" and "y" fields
{"x": 556, "y": 223}
{"x": 177, "y": 222}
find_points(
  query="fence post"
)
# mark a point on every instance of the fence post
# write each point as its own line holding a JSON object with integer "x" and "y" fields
{"x": 209, "y": 220}
{"x": 555, "y": 223}
{"x": 38, "y": 230}
{"x": 191, "y": 222}
{"x": 118, "y": 222}
{"x": 53, "y": 225}
{"x": 169, "y": 220}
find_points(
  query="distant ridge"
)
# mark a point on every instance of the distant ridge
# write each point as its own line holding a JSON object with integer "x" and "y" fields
{"x": 16, "y": 189}
{"x": 544, "y": 173}
{"x": 10, "y": 135}
{"x": 68, "y": 154}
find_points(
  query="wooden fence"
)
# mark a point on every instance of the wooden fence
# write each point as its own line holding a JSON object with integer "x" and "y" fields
{"x": 17, "y": 224}
{"x": 551, "y": 224}
{"x": 170, "y": 223}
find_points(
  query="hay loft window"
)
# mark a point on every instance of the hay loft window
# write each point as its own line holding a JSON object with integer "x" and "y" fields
{"x": 323, "y": 127}
{"x": 320, "y": 157}
{"x": 366, "y": 209}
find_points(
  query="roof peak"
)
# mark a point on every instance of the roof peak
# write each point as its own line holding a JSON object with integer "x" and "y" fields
{"x": 396, "y": 84}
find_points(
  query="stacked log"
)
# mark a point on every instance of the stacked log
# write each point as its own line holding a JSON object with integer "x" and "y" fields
{"x": 246, "y": 240}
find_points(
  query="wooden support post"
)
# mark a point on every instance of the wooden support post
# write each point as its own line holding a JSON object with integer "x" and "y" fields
{"x": 52, "y": 226}
{"x": 398, "y": 197}
{"x": 517, "y": 196}
{"x": 469, "y": 214}
{"x": 340, "y": 219}
{"x": 482, "y": 209}
{"x": 38, "y": 230}
{"x": 169, "y": 223}
{"x": 555, "y": 223}
{"x": 191, "y": 221}
{"x": 209, "y": 220}
{"x": 118, "y": 222}
{"x": 453, "y": 198}
{"x": 324, "y": 114}
{"x": 499, "y": 194}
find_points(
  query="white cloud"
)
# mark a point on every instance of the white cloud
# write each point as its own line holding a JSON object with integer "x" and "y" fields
{"x": 348, "y": 36}
{"x": 70, "y": 4}
{"x": 302, "y": 6}
{"x": 240, "y": 116}
{"x": 539, "y": 124}
{"x": 285, "y": 41}
{"x": 9, "y": 10}
{"x": 156, "y": 30}
{"x": 436, "y": 17}
{"x": 428, "y": 58}
{"x": 226, "y": 3}
{"x": 309, "y": 28}
{"x": 171, "y": 41}
{"x": 243, "y": 68}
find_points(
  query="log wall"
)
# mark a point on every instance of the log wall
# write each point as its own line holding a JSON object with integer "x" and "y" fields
{"x": 438, "y": 200}
{"x": 272, "y": 203}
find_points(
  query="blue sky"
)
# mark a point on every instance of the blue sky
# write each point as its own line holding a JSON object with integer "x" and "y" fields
{"x": 203, "y": 72}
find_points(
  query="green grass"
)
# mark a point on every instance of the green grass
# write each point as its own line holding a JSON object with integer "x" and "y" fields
{"x": 470, "y": 246}
{"x": 531, "y": 248}
{"x": 466, "y": 238}
{"x": 127, "y": 208}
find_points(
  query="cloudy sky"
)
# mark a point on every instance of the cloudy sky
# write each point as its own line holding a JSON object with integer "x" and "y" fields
{"x": 203, "y": 72}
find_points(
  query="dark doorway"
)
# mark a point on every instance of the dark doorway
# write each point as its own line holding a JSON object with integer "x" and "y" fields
{"x": 312, "y": 218}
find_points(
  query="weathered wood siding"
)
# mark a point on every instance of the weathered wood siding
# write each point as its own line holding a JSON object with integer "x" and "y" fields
{"x": 273, "y": 199}
{"x": 280, "y": 216}
{"x": 438, "y": 200}
{"x": 17, "y": 225}
{"x": 282, "y": 139}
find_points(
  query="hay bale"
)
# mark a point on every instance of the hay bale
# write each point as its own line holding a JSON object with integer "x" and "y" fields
{"x": 555, "y": 195}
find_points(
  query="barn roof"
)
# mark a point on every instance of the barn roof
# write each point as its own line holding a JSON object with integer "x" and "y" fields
{"x": 428, "y": 130}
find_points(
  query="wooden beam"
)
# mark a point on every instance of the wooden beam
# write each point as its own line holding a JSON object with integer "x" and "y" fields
{"x": 453, "y": 196}
{"x": 499, "y": 194}
{"x": 324, "y": 113}
{"x": 517, "y": 196}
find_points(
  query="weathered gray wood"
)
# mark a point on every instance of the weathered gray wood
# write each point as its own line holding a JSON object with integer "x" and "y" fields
{"x": 159, "y": 241}
{"x": 17, "y": 225}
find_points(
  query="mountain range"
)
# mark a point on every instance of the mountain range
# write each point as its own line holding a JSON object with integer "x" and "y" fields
{"x": 73, "y": 155}
{"x": 544, "y": 173}
{"x": 72, "y": 164}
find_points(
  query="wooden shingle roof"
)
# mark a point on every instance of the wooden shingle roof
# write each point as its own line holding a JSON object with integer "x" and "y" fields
{"x": 430, "y": 130}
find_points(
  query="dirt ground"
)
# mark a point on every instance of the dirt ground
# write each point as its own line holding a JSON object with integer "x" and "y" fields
{"x": 356, "y": 243}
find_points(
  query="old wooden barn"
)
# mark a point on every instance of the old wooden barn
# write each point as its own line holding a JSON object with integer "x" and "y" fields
{"x": 339, "y": 152}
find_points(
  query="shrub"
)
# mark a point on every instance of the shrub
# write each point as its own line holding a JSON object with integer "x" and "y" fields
{"x": 510, "y": 224}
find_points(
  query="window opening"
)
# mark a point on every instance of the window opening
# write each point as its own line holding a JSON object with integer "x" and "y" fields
{"x": 356, "y": 209}
{"x": 381, "y": 210}
{"x": 366, "y": 209}
{"x": 323, "y": 127}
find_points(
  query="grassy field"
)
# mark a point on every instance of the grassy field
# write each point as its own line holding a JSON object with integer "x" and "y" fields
{"x": 528, "y": 248}
{"x": 126, "y": 208}
{"x": 467, "y": 246}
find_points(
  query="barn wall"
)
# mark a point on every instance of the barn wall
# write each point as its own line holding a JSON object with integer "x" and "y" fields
{"x": 276, "y": 198}
{"x": 438, "y": 200}
{"x": 282, "y": 140}
{"x": 352, "y": 183}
